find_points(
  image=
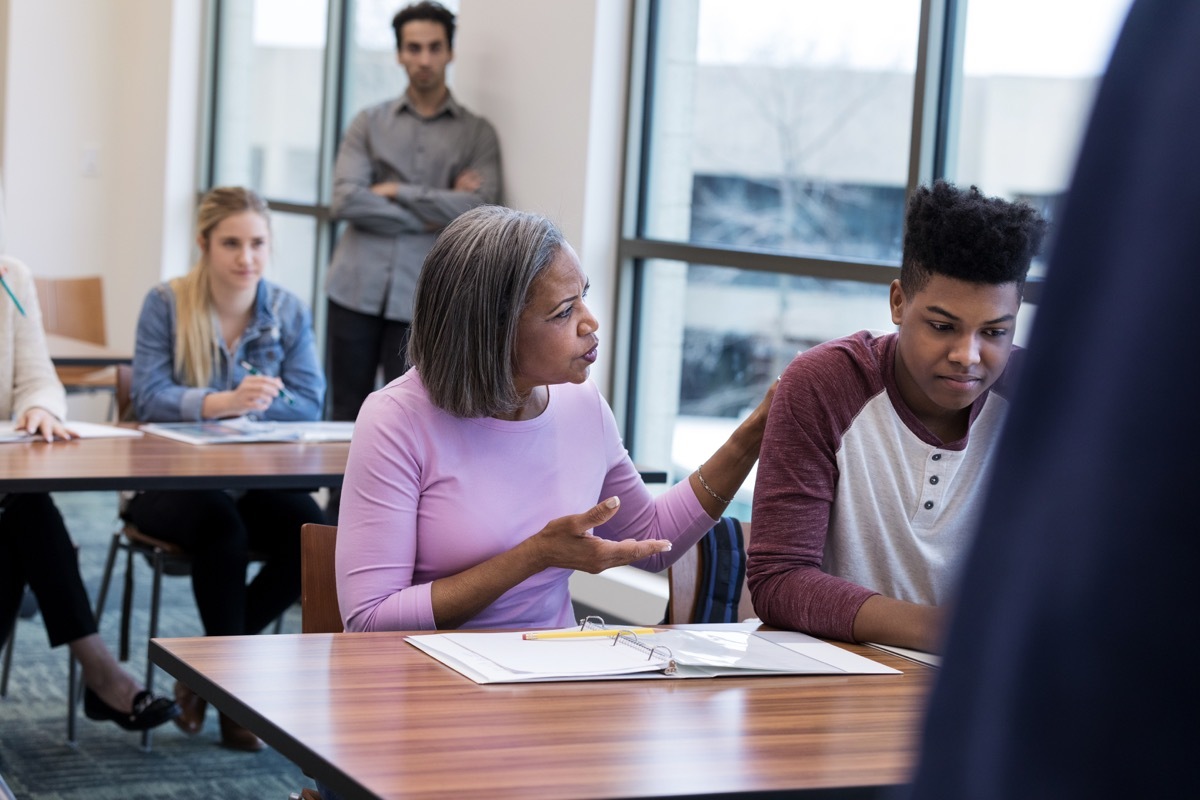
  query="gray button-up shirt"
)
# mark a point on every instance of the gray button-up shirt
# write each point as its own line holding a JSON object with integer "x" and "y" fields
{"x": 380, "y": 252}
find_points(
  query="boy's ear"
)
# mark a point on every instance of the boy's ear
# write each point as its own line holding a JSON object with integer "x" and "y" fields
{"x": 896, "y": 302}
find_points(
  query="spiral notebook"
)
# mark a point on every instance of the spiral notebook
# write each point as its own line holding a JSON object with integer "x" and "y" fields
{"x": 687, "y": 651}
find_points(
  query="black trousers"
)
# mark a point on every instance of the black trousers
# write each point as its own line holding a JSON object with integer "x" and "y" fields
{"x": 220, "y": 531}
{"x": 357, "y": 345}
{"x": 35, "y": 550}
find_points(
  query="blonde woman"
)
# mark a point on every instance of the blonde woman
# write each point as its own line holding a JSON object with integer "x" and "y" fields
{"x": 223, "y": 342}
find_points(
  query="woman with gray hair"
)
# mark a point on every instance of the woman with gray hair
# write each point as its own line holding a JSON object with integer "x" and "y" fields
{"x": 488, "y": 472}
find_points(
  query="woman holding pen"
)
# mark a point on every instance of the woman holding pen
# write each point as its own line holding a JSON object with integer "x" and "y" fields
{"x": 223, "y": 342}
{"x": 35, "y": 548}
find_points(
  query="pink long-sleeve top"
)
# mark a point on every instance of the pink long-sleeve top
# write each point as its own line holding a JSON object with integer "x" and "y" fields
{"x": 428, "y": 495}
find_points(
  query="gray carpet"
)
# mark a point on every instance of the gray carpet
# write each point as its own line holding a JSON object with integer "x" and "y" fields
{"x": 107, "y": 762}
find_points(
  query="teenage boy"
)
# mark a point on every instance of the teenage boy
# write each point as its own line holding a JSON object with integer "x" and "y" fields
{"x": 876, "y": 451}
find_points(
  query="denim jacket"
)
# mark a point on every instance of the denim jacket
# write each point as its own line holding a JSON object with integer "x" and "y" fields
{"x": 278, "y": 342}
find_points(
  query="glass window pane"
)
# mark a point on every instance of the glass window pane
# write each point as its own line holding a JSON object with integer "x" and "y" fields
{"x": 782, "y": 125}
{"x": 1022, "y": 110}
{"x": 293, "y": 246}
{"x": 372, "y": 72}
{"x": 270, "y": 67}
{"x": 712, "y": 340}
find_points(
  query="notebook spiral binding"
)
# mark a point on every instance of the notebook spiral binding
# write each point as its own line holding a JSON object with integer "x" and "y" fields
{"x": 630, "y": 639}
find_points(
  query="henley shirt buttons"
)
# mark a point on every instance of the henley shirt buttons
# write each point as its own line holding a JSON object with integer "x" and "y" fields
{"x": 928, "y": 504}
{"x": 937, "y": 456}
{"x": 934, "y": 480}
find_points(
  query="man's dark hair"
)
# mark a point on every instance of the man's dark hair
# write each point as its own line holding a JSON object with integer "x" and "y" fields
{"x": 967, "y": 236}
{"x": 426, "y": 10}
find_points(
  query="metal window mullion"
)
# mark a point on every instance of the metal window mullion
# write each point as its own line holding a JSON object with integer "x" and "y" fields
{"x": 641, "y": 55}
{"x": 928, "y": 82}
{"x": 208, "y": 114}
{"x": 861, "y": 270}
{"x": 336, "y": 38}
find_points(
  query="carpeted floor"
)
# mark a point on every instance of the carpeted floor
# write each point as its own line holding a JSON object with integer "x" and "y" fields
{"x": 107, "y": 762}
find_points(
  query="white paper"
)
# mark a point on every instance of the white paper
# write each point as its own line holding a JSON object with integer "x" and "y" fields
{"x": 706, "y": 651}
{"x": 82, "y": 430}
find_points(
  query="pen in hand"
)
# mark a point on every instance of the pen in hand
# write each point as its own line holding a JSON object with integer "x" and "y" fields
{"x": 288, "y": 397}
{"x": 16, "y": 302}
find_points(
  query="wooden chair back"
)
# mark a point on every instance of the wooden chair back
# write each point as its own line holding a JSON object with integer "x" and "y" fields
{"x": 319, "y": 611}
{"x": 684, "y": 580}
{"x": 124, "y": 397}
{"x": 73, "y": 307}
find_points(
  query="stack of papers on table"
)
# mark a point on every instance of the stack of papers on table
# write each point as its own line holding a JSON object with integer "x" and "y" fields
{"x": 241, "y": 429}
{"x": 696, "y": 651}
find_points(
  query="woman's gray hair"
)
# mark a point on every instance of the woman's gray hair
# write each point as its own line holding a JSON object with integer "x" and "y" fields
{"x": 473, "y": 286}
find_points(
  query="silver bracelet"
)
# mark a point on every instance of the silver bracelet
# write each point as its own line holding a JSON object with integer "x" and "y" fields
{"x": 708, "y": 488}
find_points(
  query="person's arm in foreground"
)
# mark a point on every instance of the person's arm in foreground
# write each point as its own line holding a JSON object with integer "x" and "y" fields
{"x": 38, "y": 399}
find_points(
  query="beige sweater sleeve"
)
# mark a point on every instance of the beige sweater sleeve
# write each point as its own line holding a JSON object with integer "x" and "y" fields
{"x": 27, "y": 376}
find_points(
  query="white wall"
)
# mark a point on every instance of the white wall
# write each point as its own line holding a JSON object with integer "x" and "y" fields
{"x": 99, "y": 139}
{"x": 551, "y": 77}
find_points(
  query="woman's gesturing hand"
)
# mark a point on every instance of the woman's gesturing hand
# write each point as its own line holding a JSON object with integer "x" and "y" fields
{"x": 568, "y": 542}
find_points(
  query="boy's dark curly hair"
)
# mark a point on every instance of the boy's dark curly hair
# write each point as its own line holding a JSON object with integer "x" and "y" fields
{"x": 967, "y": 236}
{"x": 426, "y": 10}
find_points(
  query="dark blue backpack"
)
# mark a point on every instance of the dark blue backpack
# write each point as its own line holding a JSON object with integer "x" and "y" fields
{"x": 723, "y": 564}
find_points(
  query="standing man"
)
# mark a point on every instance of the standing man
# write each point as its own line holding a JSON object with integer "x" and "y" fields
{"x": 404, "y": 170}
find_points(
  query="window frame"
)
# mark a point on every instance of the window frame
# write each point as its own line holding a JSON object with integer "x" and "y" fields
{"x": 333, "y": 118}
{"x": 937, "y": 87}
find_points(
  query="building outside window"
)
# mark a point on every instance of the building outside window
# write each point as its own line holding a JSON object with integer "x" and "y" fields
{"x": 774, "y": 144}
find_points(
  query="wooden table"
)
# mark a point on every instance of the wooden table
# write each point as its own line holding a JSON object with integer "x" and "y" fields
{"x": 66, "y": 351}
{"x": 152, "y": 462}
{"x": 373, "y": 717}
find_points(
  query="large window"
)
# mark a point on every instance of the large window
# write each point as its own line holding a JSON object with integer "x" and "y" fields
{"x": 268, "y": 139}
{"x": 773, "y": 145}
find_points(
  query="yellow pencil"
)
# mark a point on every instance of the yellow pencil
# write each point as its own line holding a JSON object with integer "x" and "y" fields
{"x": 584, "y": 634}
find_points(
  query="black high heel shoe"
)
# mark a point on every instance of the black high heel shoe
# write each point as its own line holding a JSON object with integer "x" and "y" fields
{"x": 148, "y": 711}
